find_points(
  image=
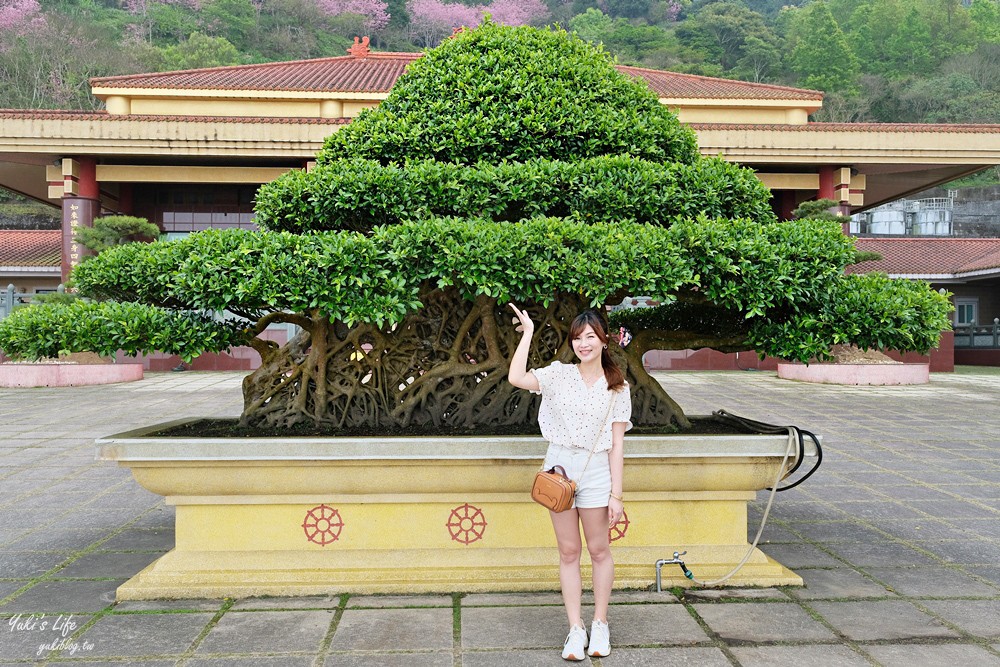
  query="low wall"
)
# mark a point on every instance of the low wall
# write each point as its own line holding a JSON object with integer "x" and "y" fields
{"x": 857, "y": 374}
{"x": 977, "y": 357}
{"x": 942, "y": 359}
{"x": 67, "y": 375}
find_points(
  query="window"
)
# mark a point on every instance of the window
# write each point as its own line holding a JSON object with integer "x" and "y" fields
{"x": 966, "y": 311}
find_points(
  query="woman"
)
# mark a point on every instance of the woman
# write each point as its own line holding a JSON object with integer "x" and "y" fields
{"x": 575, "y": 419}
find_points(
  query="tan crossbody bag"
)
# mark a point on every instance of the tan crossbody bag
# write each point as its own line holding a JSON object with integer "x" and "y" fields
{"x": 552, "y": 488}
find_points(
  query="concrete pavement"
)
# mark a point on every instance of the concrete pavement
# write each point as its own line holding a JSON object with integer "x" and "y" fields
{"x": 897, "y": 538}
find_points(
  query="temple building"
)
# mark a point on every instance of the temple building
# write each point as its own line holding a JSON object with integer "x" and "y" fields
{"x": 187, "y": 150}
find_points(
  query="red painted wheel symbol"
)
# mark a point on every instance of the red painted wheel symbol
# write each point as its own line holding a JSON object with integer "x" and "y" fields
{"x": 323, "y": 525}
{"x": 618, "y": 530}
{"x": 466, "y": 524}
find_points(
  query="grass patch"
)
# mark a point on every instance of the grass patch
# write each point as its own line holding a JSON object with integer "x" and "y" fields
{"x": 977, "y": 370}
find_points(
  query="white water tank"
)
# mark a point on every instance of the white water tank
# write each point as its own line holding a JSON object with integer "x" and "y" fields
{"x": 887, "y": 221}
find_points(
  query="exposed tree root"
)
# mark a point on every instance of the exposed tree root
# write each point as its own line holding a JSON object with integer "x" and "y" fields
{"x": 445, "y": 365}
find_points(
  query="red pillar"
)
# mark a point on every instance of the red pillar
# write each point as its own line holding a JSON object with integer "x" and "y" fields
{"x": 826, "y": 184}
{"x": 80, "y": 205}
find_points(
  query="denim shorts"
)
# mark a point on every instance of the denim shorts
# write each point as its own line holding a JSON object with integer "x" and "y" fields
{"x": 594, "y": 489}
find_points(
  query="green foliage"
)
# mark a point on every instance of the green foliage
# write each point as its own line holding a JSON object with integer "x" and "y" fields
{"x": 501, "y": 93}
{"x": 820, "y": 54}
{"x": 722, "y": 30}
{"x": 759, "y": 270}
{"x": 359, "y": 194}
{"x": 46, "y": 331}
{"x": 345, "y": 276}
{"x": 871, "y": 311}
{"x": 112, "y": 230}
{"x": 200, "y": 50}
{"x": 819, "y": 209}
{"x": 627, "y": 42}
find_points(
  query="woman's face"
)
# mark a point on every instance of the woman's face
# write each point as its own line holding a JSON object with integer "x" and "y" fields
{"x": 588, "y": 345}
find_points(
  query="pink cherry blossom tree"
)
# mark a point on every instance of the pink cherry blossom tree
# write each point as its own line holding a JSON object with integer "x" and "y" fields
{"x": 18, "y": 17}
{"x": 433, "y": 20}
{"x": 376, "y": 12}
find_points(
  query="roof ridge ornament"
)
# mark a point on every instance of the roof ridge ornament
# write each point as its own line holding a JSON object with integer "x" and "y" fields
{"x": 360, "y": 48}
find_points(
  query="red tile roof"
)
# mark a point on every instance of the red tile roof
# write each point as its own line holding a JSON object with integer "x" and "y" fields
{"x": 923, "y": 256}
{"x": 69, "y": 114}
{"x": 672, "y": 84}
{"x": 30, "y": 247}
{"x": 377, "y": 72}
{"x": 854, "y": 127}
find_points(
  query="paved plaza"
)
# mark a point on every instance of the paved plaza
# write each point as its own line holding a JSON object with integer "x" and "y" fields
{"x": 897, "y": 538}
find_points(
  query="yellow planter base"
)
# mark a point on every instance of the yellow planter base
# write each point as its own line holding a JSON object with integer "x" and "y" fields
{"x": 325, "y": 516}
{"x": 180, "y": 575}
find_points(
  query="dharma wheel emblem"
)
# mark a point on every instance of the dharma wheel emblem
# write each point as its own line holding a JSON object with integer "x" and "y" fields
{"x": 323, "y": 525}
{"x": 618, "y": 530}
{"x": 466, "y": 524}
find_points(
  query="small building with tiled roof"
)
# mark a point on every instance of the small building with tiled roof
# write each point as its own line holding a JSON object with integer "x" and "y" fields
{"x": 31, "y": 259}
{"x": 969, "y": 268}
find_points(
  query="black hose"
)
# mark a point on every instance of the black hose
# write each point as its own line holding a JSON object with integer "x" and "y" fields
{"x": 793, "y": 431}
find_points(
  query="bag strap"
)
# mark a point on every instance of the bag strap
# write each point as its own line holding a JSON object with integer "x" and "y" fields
{"x": 600, "y": 432}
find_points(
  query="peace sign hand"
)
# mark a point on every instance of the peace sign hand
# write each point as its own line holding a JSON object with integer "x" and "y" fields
{"x": 522, "y": 320}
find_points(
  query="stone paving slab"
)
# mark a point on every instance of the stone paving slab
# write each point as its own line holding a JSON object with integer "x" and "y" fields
{"x": 550, "y": 658}
{"x": 392, "y": 660}
{"x": 889, "y": 619}
{"x": 917, "y": 655}
{"x": 666, "y": 657}
{"x": 267, "y": 632}
{"x": 931, "y": 582}
{"x": 64, "y": 597}
{"x": 902, "y": 500}
{"x": 837, "y": 583}
{"x": 38, "y": 636}
{"x": 306, "y": 602}
{"x": 144, "y": 634}
{"x": 767, "y": 622}
{"x": 401, "y": 629}
{"x": 252, "y": 661}
{"x": 977, "y": 617}
{"x": 796, "y": 656}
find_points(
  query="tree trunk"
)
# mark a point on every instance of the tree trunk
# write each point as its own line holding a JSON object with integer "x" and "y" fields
{"x": 443, "y": 366}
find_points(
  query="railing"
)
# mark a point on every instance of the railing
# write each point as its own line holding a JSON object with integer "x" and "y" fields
{"x": 981, "y": 336}
{"x": 11, "y": 299}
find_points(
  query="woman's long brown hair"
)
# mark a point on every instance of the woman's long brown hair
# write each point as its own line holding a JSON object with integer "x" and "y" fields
{"x": 613, "y": 375}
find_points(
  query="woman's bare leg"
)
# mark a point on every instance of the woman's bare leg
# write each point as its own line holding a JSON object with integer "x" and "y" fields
{"x": 595, "y": 529}
{"x": 567, "y": 527}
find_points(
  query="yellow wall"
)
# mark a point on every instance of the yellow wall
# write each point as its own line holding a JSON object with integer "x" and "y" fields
{"x": 242, "y": 108}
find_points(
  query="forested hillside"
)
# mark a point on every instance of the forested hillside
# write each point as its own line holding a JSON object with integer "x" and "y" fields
{"x": 877, "y": 60}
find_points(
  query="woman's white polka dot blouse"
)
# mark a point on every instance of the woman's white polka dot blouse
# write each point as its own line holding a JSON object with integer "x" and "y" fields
{"x": 571, "y": 412}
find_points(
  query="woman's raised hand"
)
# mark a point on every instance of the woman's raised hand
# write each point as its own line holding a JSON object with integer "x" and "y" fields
{"x": 523, "y": 322}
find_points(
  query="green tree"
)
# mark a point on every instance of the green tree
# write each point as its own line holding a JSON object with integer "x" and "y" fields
{"x": 722, "y": 30}
{"x": 200, "y": 50}
{"x": 236, "y": 20}
{"x": 506, "y": 164}
{"x": 820, "y": 55}
{"x": 985, "y": 17}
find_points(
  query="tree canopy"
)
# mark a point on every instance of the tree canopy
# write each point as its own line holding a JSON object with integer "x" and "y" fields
{"x": 543, "y": 176}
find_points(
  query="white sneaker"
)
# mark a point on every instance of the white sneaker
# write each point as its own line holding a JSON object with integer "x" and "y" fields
{"x": 576, "y": 643}
{"x": 600, "y": 640}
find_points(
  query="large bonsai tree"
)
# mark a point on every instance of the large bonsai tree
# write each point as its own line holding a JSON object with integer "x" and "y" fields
{"x": 506, "y": 164}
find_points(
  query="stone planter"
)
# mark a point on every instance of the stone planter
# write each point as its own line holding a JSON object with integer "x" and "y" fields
{"x": 301, "y": 516}
{"x": 857, "y": 374}
{"x": 66, "y": 375}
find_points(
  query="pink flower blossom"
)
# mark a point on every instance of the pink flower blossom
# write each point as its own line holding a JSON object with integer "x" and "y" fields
{"x": 376, "y": 11}
{"x": 433, "y": 20}
{"x": 20, "y": 16}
